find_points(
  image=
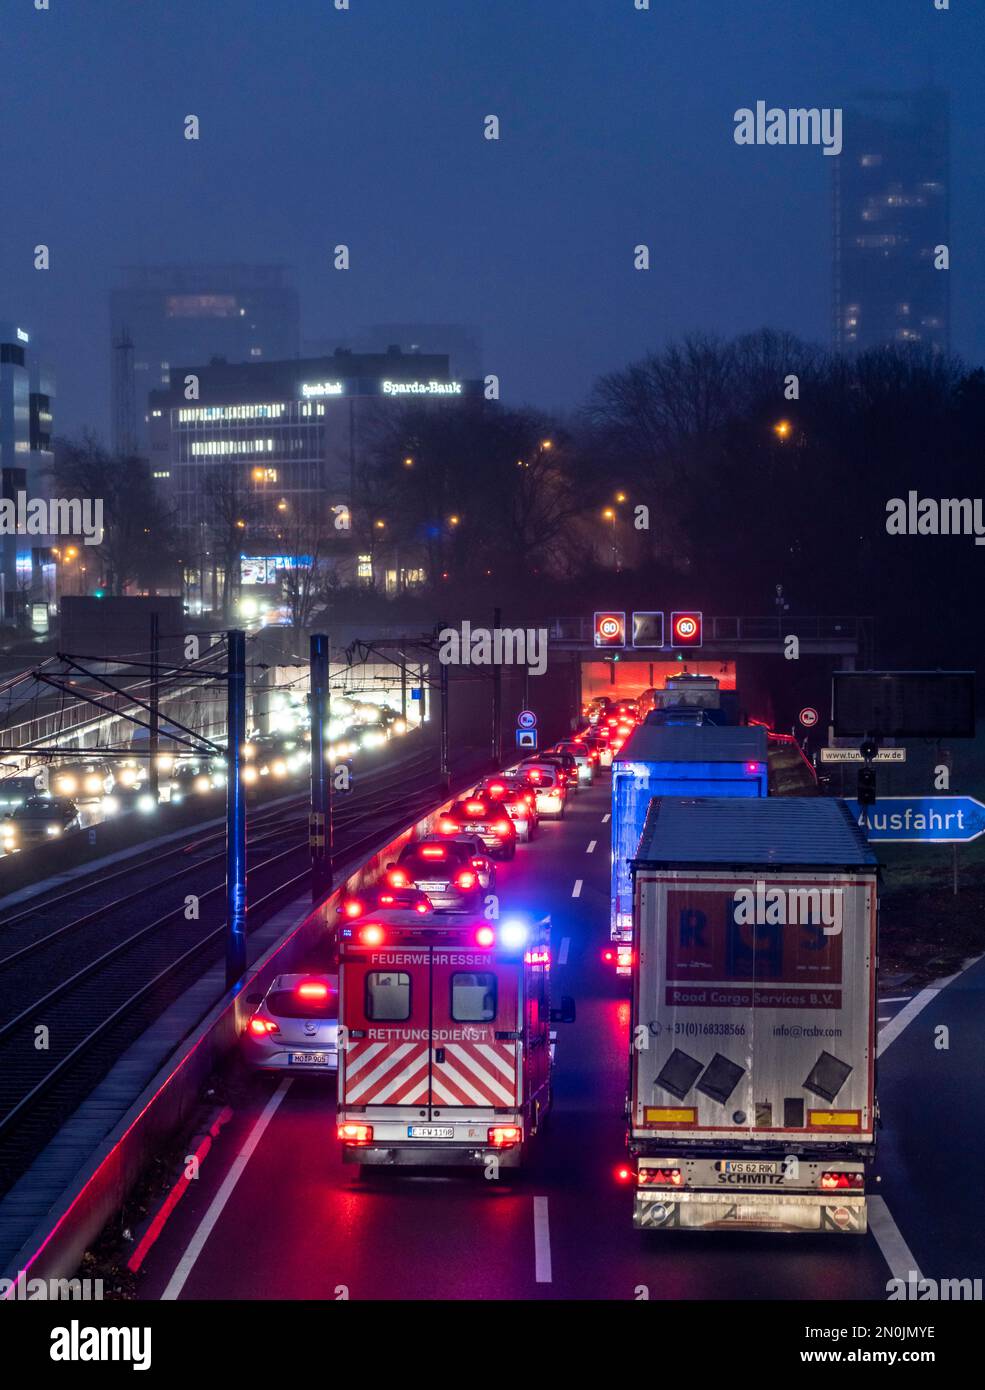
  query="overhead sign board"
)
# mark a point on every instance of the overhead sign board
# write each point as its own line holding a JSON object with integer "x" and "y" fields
{"x": 685, "y": 630}
{"x": 648, "y": 629}
{"x": 904, "y": 704}
{"x": 932, "y": 820}
{"x": 852, "y": 755}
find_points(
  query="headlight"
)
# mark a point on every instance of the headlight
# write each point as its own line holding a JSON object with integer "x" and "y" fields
{"x": 146, "y": 804}
{"x": 279, "y": 768}
{"x": 128, "y": 776}
{"x": 201, "y": 784}
{"x": 53, "y": 830}
{"x": 249, "y": 774}
{"x": 93, "y": 784}
{"x": 110, "y": 806}
{"x": 66, "y": 786}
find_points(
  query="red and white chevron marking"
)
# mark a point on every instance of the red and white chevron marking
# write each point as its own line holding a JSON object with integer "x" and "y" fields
{"x": 475, "y": 1073}
{"x": 386, "y": 1073}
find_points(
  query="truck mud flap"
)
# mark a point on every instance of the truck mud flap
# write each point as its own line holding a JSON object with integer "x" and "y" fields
{"x": 711, "y": 1211}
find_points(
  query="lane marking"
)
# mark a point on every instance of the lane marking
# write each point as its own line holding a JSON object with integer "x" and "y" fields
{"x": 542, "y": 1242}
{"x": 187, "y": 1262}
{"x": 562, "y": 955}
{"x": 576, "y": 891}
{"x": 886, "y": 1019}
{"x": 163, "y": 1213}
{"x": 606, "y": 817}
{"x": 892, "y": 1246}
{"x": 916, "y": 1005}
{"x": 591, "y": 846}
{"x": 894, "y": 998}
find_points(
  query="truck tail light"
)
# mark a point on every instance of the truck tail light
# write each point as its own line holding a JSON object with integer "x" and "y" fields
{"x": 505, "y": 1136}
{"x": 262, "y": 1027}
{"x": 624, "y": 1173}
{"x": 351, "y": 1133}
{"x": 660, "y": 1177}
{"x": 609, "y": 955}
{"x": 465, "y": 879}
{"x": 836, "y": 1182}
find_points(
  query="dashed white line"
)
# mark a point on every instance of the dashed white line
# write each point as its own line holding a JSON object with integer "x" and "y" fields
{"x": 542, "y": 1242}
{"x": 591, "y": 846}
{"x": 195, "y": 1246}
{"x": 576, "y": 891}
{"x": 562, "y": 955}
{"x": 894, "y": 1248}
{"x": 606, "y": 817}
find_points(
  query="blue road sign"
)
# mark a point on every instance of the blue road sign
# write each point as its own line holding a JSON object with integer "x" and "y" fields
{"x": 417, "y": 692}
{"x": 526, "y": 738}
{"x": 527, "y": 719}
{"x": 932, "y": 820}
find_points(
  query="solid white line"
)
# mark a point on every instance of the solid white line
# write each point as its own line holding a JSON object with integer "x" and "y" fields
{"x": 893, "y": 1247}
{"x": 886, "y": 1019}
{"x": 916, "y": 1005}
{"x": 591, "y": 846}
{"x": 895, "y": 998}
{"x": 562, "y": 955}
{"x": 605, "y": 817}
{"x": 187, "y": 1262}
{"x": 542, "y": 1242}
{"x": 576, "y": 891}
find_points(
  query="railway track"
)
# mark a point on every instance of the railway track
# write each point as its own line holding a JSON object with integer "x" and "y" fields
{"x": 78, "y": 991}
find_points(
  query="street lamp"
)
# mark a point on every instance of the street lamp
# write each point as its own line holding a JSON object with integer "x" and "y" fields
{"x": 610, "y": 515}
{"x": 782, "y": 429}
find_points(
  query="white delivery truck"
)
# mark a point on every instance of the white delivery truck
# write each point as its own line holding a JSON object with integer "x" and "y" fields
{"x": 751, "y": 1102}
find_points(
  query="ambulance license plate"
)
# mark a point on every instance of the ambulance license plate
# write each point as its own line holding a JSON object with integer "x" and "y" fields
{"x": 430, "y": 1132}
{"x": 315, "y": 1059}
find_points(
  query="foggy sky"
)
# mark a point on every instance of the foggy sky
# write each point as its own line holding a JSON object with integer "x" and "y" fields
{"x": 365, "y": 127}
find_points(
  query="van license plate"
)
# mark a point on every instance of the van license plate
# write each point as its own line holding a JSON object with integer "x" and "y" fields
{"x": 430, "y": 1132}
{"x": 316, "y": 1059}
{"x": 753, "y": 1168}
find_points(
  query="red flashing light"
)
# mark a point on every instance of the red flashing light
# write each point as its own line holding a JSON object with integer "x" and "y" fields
{"x": 485, "y": 936}
{"x": 262, "y": 1027}
{"x": 312, "y": 989}
{"x": 624, "y": 1173}
{"x": 609, "y": 956}
{"x": 355, "y": 1134}
{"x": 505, "y": 1136}
{"x": 372, "y": 935}
{"x": 353, "y": 908}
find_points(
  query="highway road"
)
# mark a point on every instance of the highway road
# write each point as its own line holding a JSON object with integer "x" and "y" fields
{"x": 275, "y": 1214}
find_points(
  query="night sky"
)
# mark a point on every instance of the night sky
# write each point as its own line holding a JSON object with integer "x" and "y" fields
{"x": 365, "y": 127}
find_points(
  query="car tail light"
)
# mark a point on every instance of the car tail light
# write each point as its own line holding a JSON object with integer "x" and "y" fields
{"x": 529, "y": 798}
{"x": 353, "y": 908}
{"x": 660, "y": 1177}
{"x": 831, "y": 1182}
{"x": 465, "y": 879}
{"x": 371, "y": 936}
{"x": 432, "y": 852}
{"x": 387, "y": 900}
{"x": 423, "y": 907}
{"x": 485, "y": 936}
{"x": 505, "y": 1136}
{"x": 496, "y": 789}
{"x": 502, "y": 827}
{"x": 262, "y": 1027}
{"x": 448, "y": 827}
{"x": 397, "y": 878}
{"x": 534, "y": 775}
{"x": 351, "y": 1133}
{"x": 476, "y": 808}
{"x": 312, "y": 989}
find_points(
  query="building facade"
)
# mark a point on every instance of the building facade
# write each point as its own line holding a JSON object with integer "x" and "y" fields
{"x": 891, "y": 212}
{"x": 277, "y": 448}
{"x": 27, "y": 568}
{"x": 164, "y": 315}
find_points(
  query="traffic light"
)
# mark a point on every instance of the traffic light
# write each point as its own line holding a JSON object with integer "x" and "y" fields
{"x": 685, "y": 629}
{"x": 866, "y": 786}
{"x": 610, "y": 629}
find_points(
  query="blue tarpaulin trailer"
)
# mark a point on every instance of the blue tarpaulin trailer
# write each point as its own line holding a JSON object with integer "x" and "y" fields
{"x": 675, "y": 760}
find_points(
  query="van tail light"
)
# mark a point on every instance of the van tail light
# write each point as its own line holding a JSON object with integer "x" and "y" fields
{"x": 355, "y": 1134}
{"x": 832, "y": 1182}
{"x": 505, "y": 1136}
{"x": 465, "y": 879}
{"x": 397, "y": 878}
{"x": 660, "y": 1177}
{"x": 262, "y": 1027}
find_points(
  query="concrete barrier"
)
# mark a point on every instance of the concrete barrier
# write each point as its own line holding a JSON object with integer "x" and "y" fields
{"x": 168, "y": 1103}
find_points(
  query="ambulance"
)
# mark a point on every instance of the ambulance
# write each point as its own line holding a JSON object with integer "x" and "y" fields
{"x": 445, "y": 1043}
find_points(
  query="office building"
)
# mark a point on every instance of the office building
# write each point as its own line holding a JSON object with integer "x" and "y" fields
{"x": 27, "y": 391}
{"x": 891, "y": 210}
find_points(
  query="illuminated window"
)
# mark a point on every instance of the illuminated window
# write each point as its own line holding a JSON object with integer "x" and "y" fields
{"x": 265, "y": 475}
{"x": 162, "y": 473}
{"x": 212, "y": 447}
{"x": 364, "y": 567}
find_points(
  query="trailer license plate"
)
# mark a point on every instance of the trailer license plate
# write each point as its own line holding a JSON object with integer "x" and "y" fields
{"x": 746, "y": 1167}
{"x": 430, "y": 1132}
{"x": 315, "y": 1059}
